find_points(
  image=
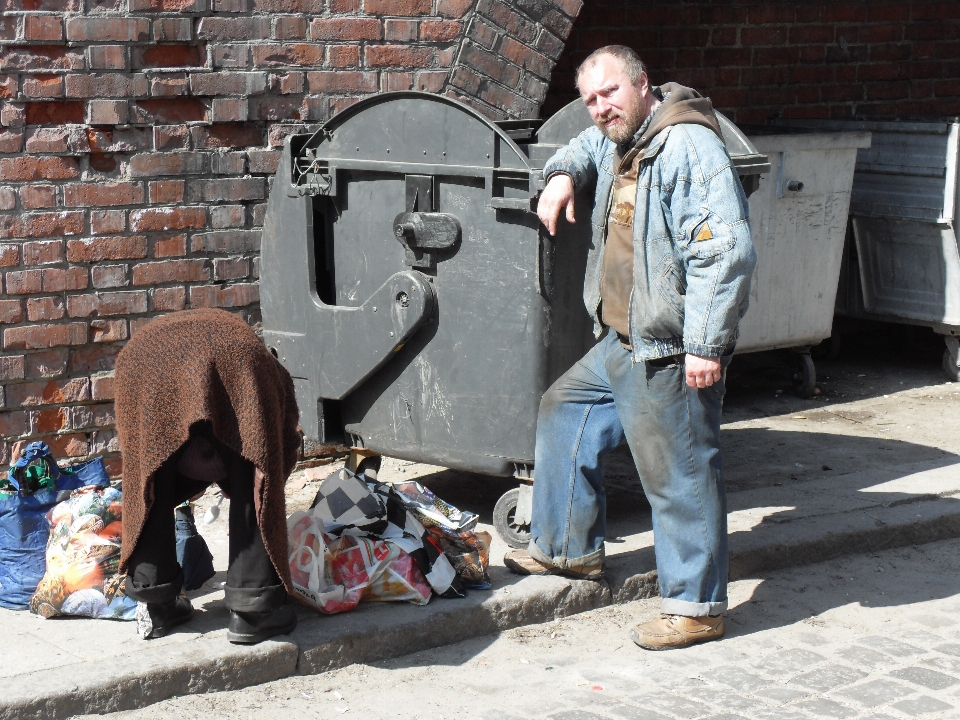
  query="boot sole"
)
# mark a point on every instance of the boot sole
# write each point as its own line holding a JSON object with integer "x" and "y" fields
{"x": 254, "y": 638}
{"x": 519, "y": 569}
{"x": 656, "y": 648}
{"x": 167, "y": 629}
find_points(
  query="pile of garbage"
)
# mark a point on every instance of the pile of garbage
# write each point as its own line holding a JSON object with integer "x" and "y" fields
{"x": 366, "y": 540}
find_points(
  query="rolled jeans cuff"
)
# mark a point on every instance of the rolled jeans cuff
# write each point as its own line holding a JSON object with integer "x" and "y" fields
{"x": 672, "y": 606}
{"x": 253, "y": 600}
{"x": 161, "y": 593}
{"x": 594, "y": 558}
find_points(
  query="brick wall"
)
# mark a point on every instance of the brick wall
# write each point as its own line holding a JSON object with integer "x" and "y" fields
{"x": 761, "y": 60}
{"x": 137, "y": 138}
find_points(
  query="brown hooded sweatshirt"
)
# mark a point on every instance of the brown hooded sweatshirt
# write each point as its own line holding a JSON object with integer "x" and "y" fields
{"x": 679, "y": 105}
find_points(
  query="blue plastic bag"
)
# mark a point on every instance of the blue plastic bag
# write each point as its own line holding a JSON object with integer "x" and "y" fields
{"x": 35, "y": 484}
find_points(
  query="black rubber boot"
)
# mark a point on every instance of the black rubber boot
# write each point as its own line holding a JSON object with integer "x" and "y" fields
{"x": 249, "y": 628}
{"x": 154, "y": 620}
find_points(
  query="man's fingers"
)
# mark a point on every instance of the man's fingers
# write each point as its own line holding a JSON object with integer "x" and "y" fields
{"x": 570, "y": 218}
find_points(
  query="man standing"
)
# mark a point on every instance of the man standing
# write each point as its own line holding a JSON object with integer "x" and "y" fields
{"x": 668, "y": 279}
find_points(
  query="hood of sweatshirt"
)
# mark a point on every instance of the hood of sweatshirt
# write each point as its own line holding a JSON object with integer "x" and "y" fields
{"x": 679, "y": 105}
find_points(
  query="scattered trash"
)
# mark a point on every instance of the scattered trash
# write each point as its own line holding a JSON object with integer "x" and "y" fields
{"x": 596, "y": 687}
{"x": 213, "y": 512}
{"x": 799, "y": 465}
{"x": 525, "y": 662}
{"x": 337, "y": 695}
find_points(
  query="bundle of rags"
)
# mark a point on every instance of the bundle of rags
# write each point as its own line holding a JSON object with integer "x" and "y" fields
{"x": 205, "y": 365}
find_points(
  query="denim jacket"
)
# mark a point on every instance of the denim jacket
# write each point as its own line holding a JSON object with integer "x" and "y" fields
{"x": 688, "y": 294}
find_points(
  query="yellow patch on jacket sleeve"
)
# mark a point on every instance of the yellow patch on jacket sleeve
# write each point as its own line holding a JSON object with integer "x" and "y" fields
{"x": 703, "y": 233}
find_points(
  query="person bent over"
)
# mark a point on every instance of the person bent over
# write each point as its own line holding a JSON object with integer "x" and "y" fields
{"x": 667, "y": 282}
{"x": 199, "y": 399}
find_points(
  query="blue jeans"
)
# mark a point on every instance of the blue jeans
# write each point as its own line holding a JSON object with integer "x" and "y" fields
{"x": 673, "y": 432}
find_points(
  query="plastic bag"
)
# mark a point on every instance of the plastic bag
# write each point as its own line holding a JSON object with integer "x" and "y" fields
{"x": 34, "y": 486}
{"x": 334, "y": 574}
{"x": 82, "y": 557}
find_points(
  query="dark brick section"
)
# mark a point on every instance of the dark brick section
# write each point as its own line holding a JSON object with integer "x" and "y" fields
{"x": 777, "y": 59}
{"x": 507, "y": 55}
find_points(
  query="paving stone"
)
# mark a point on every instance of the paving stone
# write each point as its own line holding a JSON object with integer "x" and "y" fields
{"x": 681, "y": 707}
{"x": 862, "y": 657}
{"x": 778, "y": 714}
{"x": 933, "y": 620}
{"x": 737, "y": 677}
{"x": 632, "y": 712}
{"x": 921, "y": 705}
{"x": 829, "y": 677}
{"x": 875, "y": 692}
{"x": 781, "y": 694}
{"x": 824, "y": 708}
{"x": 789, "y": 661}
{"x": 576, "y": 715}
{"x": 890, "y": 646}
{"x": 922, "y": 676}
{"x": 719, "y": 697}
{"x": 949, "y": 649}
{"x": 725, "y": 717}
{"x": 943, "y": 662}
{"x": 809, "y": 638}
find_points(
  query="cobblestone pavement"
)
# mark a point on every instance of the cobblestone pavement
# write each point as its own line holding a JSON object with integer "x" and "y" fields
{"x": 871, "y": 637}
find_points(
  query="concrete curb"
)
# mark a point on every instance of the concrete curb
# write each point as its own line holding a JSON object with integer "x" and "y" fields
{"x": 787, "y": 538}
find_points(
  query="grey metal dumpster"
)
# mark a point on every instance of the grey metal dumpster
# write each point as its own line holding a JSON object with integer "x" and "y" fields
{"x": 902, "y": 264}
{"x": 409, "y": 289}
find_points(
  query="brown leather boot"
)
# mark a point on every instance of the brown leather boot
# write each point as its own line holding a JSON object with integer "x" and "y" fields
{"x": 522, "y": 563}
{"x": 676, "y": 631}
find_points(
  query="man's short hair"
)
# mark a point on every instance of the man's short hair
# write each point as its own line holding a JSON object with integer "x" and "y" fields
{"x": 632, "y": 64}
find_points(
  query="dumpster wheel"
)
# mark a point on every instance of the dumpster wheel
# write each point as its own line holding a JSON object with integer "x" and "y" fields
{"x": 504, "y": 514}
{"x": 805, "y": 375}
{"x": 950, "y": 366}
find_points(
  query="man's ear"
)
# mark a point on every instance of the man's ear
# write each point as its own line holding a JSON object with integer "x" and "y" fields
{"x": 642, "y": 84}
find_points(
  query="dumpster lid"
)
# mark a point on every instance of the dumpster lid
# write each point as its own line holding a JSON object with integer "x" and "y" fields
{"x": 573, "y": 119}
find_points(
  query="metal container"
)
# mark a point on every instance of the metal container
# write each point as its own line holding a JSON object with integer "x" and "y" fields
{"x": 798, "y": 220}
{"x": 408, "y": 287}
{"x": 901, "y": 262}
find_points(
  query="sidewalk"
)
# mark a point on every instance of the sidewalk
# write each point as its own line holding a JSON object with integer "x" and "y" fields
{"x": 63, "y": 667}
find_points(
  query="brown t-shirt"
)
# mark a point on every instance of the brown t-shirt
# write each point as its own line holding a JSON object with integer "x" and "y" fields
{"x": 616, "y": 279}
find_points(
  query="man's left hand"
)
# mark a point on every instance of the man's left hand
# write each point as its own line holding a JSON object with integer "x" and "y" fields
{"x": 702, "y": 372}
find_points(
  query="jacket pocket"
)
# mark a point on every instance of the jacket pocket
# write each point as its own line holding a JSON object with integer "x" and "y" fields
{"x": 670, "y": 284}
{"x": 711, "y": 237}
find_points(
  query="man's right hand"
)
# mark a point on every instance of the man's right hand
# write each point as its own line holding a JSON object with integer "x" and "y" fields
{"x": 557, "y": 195}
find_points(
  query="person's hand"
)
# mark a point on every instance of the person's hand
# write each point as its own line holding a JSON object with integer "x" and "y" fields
{"x": 557, "y": 195}
{"x": 702, "y": 372}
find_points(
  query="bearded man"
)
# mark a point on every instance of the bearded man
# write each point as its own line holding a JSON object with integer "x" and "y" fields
{"x": 667, "y": 282}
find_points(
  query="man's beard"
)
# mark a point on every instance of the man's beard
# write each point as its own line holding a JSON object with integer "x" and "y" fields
{"x": 631, "y": 118}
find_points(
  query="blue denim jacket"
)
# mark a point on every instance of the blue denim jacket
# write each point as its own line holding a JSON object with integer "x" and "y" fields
{"x": 688, "y": 295}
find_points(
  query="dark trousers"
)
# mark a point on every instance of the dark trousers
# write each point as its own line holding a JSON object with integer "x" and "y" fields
{"x": 153, "y": 574}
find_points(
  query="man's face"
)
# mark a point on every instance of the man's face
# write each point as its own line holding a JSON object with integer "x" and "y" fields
{"x": 617, "y": 106}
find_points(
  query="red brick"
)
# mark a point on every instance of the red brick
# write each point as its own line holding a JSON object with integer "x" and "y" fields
{"x": 397, "y": 7}
{"x": 170, "y": 271}
{"x": 46, "y": 308}
{"x": 516, "y": 25}
{"x": 11, "y": 368}
{"x": 171, "y": 137}
{"x": 341, "y": 81}
{"x": 228, "y": 216}
{"x": 297, "y": 6}
{"x": 43, "y": 252}
{"x": 481, "y": 33}
{"x": 16, "y": 424}
{"x": 166, "y": 191}
{"x": 8, "y": 198}
{"x": 40, "y": 57}
{"x": 396, "y": 81}
{"x": 53, "y": 113}
{"x": 50, "y": 363}
{"x": 226, "y": 135}
{"x": 169, "y": 85}
{"x": 101, "y": 386}
{"x": 42, "y": 86}
{"x": 514, "y": 105}
{"x": 42, "y": 28}
{"x": 35, "y": 337}
{"x": 169, "y": 299}
{"x": 286, "y": 83}
{"x": 108, "y": 57}
{"x": 402, "y": 56}
{"x": 58, "y": 280}
{"x": 106, "y": 248}
{"x": 226, "y": 241}
{"x": 102, "y": 193}
{"x": 441, "y": 30}
{"x": 167, "y": 6}
{"x": 526, "y": 57}
{"x": 290, "y": 28}
{"x": 11, "y": 141}
{"x": 41, "y": 224}
{"x": 11, "y": 312}
{"x": 51, "y": 420}
{"x": 238, "y": 295}
{"x": 117, "y": 140}
{"x": 169, "y": 55}
{"x": 178, "y": 218}
{"x": 107, "y": 112}
{"x": 173, "y": 30}
{"x": 73, "y": 446}
{"x": 92, "y": 416}
{"x": 345, "y": 29}
{"x": 343, "y": 56}
{"x": 91, "y": 359}
{"x": 490, "y": 65}
{"x": 107, "y": 222}
{"x": 453, "y": 8}
{"x": 230, "y": 269}
{"x": 107, "y": 85}
{"x": 107, "y": 29}
{"x": 234, "y": 28}
{"x": 107, "y": 303}
{"x": 163, "y": 112}
{"x": 102, "y": 331}
{"x": 175, "y": 163}
{"x": 264, "y": 162}
{"x": 173, "y": 246}
{"x": 52, "y": 392}
{"x": 38, "y": 196}
{"x": 288, "y": 54}
{"x": 24, "y": 169}
{"x": 109, "y": 276}
{"x": 9, "y": 255}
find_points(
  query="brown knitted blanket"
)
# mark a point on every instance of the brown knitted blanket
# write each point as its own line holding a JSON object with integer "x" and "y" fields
{"x": 205, "y": 365}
